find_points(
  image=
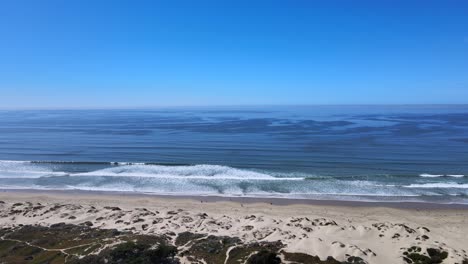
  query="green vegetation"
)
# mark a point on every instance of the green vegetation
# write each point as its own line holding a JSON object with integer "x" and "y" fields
{"x": 62, "y": 243}
{"x": 264, "y": 257}
{"x": 414, "y": 256}
{"x": 308, "y": 259}
{"x": 133, "y": 253}
{"x": 83, "y": 244}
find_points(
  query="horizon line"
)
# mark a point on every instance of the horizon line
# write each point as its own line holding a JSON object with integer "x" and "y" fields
{"x": 223, "y": 106}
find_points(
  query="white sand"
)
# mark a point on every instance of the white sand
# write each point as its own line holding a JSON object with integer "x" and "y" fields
{"x": 376, "y": 234}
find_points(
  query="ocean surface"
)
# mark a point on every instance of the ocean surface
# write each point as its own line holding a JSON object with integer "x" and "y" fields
{"x": 372, "y": 153}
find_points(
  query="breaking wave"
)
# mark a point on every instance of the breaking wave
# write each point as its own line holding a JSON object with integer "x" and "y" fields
{"x": 427, "y": 175}
{"x": 439, "y": 185}
{"x": 184, "y": 172}
{"x": 205, "y": 179}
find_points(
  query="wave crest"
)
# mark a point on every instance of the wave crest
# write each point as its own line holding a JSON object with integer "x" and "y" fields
{"x": 427, "y": 175}
{"x": 439, "y": 185}
{"x": 183, "y": 172}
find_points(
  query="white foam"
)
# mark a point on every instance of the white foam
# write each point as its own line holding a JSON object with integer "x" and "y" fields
{"x": 30, "y": 174}
{"x": 13, "y": 161}
{"x": 184, "y": 172}
{"x": 128, "y": 163}
{"x": 427, "y": 175}
{"x": 25, "y": 169}
{"x": 439, "y": 185}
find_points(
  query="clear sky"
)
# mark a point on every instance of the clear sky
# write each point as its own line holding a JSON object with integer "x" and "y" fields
{"x": 176, "y": 53}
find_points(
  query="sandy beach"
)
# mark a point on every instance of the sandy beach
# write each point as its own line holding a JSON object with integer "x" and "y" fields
{"x": 374, "y": 232}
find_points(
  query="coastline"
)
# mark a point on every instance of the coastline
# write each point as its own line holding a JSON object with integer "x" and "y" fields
{"x": 248, "y": 200}
{"x": 374, "y": 232}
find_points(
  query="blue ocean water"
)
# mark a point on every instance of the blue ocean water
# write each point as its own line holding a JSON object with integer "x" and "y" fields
{"x": 320, "y": 152}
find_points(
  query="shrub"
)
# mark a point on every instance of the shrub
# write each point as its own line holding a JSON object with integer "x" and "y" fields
{"x": 264, "y": 257}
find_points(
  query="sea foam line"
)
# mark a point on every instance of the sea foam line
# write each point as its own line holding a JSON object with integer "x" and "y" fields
{"x": 439, "y": 185}
{"x": 211, "y": 172}
{"x": 169, "y": 176}
{"x": 427, "y": 175}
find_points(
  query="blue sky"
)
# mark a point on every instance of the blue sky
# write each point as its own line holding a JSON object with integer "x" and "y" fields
{"x": 176, "y": 53}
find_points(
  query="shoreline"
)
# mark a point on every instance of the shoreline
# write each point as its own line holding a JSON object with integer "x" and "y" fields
{"x": 373, "y": 232}
{"x": 419, "y": 205}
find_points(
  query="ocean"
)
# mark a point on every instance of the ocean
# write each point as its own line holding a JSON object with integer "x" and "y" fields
{"x": 371, "y": 153}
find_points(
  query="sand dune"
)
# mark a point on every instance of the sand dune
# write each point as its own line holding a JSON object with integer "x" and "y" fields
{"x": 375, "y": 234}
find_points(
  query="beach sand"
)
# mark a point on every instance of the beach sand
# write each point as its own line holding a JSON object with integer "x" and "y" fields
{"x": 376, "y": 232}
